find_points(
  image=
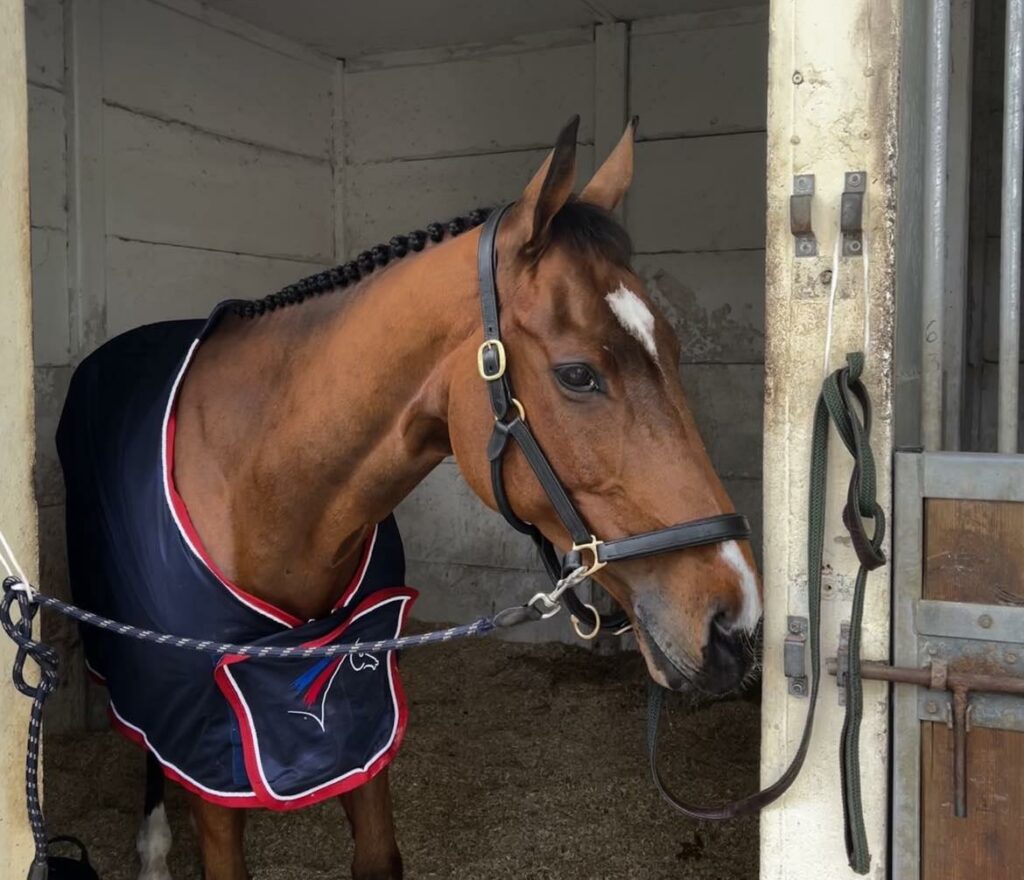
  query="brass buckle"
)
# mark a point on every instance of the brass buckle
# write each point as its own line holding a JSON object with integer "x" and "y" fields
{"x": 500, "y": 349}
{"x": 519, "y": 409}
{"x": 592, "y": 546}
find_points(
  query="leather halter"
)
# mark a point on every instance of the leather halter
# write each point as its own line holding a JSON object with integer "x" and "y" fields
{"x": 510, "y": 422}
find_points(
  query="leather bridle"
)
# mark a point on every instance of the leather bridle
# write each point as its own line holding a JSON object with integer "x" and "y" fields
{"x": 588, "y": 553}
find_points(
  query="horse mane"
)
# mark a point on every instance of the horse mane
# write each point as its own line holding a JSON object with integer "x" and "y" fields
{"x": 583, "y": 227}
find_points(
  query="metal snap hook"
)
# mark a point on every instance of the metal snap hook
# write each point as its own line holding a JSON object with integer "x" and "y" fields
{"x": 597, "y": 624}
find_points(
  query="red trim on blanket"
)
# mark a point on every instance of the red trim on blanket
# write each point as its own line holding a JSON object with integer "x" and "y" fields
{"x": 244, "y": 800}
{"x": 353, "y": 780}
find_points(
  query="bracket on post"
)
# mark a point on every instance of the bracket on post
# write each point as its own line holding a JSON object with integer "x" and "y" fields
{"x": 800, "y": 215}
{"x": 794, "y": 655}
{"x": 851, "y": 213}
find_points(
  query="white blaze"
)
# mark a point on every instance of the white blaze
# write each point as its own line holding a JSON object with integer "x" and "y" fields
{"x": 634, "y": 316}
{"x": 750, "y": 613}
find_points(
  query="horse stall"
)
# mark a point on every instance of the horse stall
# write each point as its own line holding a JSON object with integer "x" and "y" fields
{"x": 812, "y": 179}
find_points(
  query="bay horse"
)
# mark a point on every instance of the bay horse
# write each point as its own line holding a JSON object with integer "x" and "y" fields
{"x": 291, "y": 432}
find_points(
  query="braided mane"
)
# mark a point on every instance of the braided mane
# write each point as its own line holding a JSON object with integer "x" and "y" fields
{"x": 352, "y": 272}
{"x": 584, "y": 227}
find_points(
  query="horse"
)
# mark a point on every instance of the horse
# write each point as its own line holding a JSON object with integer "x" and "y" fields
{"x": 296, "y": 423}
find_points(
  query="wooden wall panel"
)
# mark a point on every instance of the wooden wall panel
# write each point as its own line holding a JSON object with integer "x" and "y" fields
{"x": 170, "y": 65}
{"x": 699, "y": 194}
{"x": 44, "y": 41}
{"x": 153, "y": 282}
{"x": 394, "y": 197}
{"x": 716, "y": 75}
{"x": 974, "y": 552}
{"x": 469, "y": 106}
{"x": 173, "y": 184}
{"x": 715, "y": 301}
{"x": 48, "y": 192}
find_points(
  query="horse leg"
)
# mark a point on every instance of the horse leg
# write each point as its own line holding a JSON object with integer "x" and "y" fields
{"x": 373, "y": 828}
{"x": 220, "y": 832}
{"x": 154, "y": 840}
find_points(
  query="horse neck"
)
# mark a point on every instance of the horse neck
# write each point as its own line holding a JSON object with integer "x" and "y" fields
{"x": 348, "y": 414}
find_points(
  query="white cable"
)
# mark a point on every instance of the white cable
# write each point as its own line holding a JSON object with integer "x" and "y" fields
{"x": 866, "y": 250}
{"x": 831, "y": 303}
{"x": 11, "y": 561}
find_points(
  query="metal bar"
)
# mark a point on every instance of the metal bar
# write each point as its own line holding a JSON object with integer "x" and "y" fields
{"x": 957, "y": 218}
{"x": 905, "y": 779}
{"x": 959, "y": 724}
{"x": 922, "y": 676}
{"x": 973, "y": 476}
{"x": 1010, "y": 229}
{"x": 933, "y": 276}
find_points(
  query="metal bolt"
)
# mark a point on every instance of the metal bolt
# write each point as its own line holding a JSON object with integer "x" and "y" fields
{"x": 854, "y": 180}
{"x": 854, "y": 247}
{"x": 931, "y": 707}
{"x": 798, "y": 78}
{"x": 794, "y": 627}
{"x": 932, "y": 650}
{"x": 1010, "y": 657}
{"x": 797, "y": 687}
{"x": 805, "y": 247}
{"x": 985, "y": 621}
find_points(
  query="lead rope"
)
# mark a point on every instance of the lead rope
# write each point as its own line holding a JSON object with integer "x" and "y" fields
{"x": 837, "y": 402}
{"x": 18, "y": 591}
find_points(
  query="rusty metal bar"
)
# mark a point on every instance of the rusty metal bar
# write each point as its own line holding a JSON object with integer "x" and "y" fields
{"x": 937, "y": 676}
{"x": 923, "y": 676}
{"x": 959, "y": 723}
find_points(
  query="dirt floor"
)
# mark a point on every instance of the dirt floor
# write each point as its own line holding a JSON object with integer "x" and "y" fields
{"x": 521, "y": 761}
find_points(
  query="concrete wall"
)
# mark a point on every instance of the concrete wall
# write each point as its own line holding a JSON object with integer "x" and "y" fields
{"x": 832, "y": 108}
{"x": 17, "y": 508}
{"x": 186, "y": 156}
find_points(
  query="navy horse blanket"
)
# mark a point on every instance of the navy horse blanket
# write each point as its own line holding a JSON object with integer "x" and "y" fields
{"x": 238, "y": 731}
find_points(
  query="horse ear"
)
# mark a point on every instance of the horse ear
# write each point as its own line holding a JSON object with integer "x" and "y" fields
{"x": 609, "y": 184}
{"x": 549, "y": 190}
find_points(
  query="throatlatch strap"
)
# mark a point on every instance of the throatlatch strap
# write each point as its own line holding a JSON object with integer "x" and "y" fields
{"x": 837, "y": 401}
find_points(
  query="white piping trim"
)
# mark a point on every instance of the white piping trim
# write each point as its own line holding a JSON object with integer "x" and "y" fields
{"x": 224, "y": 794}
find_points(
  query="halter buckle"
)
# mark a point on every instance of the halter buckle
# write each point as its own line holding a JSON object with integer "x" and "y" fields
{"x": 499, "y": 350}
{"x": 519, "y": 409}
{"x": 592, "y": 546}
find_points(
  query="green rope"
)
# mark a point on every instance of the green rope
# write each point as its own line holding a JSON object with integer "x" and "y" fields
{"x": 841, "y": 395}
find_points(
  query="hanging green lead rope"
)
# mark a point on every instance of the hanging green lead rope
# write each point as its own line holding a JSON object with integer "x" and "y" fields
{"x": 841, "y": 395}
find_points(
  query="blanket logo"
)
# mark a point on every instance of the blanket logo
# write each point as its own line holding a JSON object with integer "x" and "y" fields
{"x": 314, "y": 684}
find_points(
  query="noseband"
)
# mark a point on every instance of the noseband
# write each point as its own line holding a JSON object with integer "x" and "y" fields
{"x": 588, "y": 551}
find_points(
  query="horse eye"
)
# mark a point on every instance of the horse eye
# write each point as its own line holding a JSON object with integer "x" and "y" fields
{"x": 577, "y": 377}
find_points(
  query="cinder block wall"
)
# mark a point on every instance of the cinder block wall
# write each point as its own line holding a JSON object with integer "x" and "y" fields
{"x": 180, "y": 156}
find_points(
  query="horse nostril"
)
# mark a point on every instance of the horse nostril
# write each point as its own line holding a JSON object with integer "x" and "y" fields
{"x": 725, "y": 661}
{"x": 723, "y": 622}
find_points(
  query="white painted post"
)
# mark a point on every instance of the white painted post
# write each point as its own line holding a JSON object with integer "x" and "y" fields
{"x": 17, "y": 432}
{"x": 832, "y": 108}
